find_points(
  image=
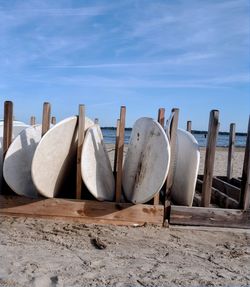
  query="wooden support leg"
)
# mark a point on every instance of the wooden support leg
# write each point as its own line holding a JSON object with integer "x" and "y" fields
{"x": 189, "y": 126}
{"x": 53, "y": 120}
{"x": 116, "y": 146}
{"x": 209, "y": 159}
{"x": 46, "y": 118}
{"x": 161, "y": 120}
{"x": 231, "y": 152}
{"x": 32, "y": 120}
{"x": 120, "y": 147}
{"x": 245, "y": 184}
{"x": 81, "y": 129}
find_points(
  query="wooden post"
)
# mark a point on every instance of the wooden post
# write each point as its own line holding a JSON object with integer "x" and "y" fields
{"x": 32, "y": 120}
{"x": 46, "y": 118}
{"x": 81, "y": 131}
{"x": 120, "y": 147}
{"x": 231, "y": 152}
{"x": 116, "y": 146}
{"x": 161, "y": 120}
{"x": 53, "y": 120}
{"x": 8, "y": 126}
{"x": 96, "y": 121}
{"x": 245, "y": 183}
{"x": 189, "y": 126}
{"x": 209, "y": 159}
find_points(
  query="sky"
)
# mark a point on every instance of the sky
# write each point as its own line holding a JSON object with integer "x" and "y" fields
{"x": 190, "y": 54}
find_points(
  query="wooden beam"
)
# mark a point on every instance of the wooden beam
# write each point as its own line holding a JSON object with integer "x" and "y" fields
{"x": 189, "y": 126}
{"x": 46, "y": 118}
{"x": 53, "y": 120}
{"x": 231, "y": 151}
{"x": 205, "y": 216}
{"x": 8, "y": 126}
{"x": 245, "y": 182}
{"x": 81, "y": 129}
{"x": 84, "y": 211}
{"x": 116, "y": 146}
{"x": 32, "y": 120}
{"x": 210, "y": 156}
{"x": 227, "y": 188}
{"x": 161, "y": 121}
{"x": 118, "y": 179}
{"x": 218, "y": 197}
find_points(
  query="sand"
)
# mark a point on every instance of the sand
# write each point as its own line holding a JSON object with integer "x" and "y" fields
{"x": 39, "y": 252}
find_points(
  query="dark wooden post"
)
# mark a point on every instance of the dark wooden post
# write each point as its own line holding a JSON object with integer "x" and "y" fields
{"x": 81, "y": 132}
{"x": 170, "y": 177}
{"x": 46, "y": 118}
{"x": 231, "y": 152}
{"x": 32, "y": 120}
{"x": 209, "y": 159}
{"x": 120, "y": 147}
{"x": 189, "y": 126}
{"x": 8, "y": 126}
{"x": 116, "y": 146}
{"x": 245, "y": 183}
{"x": 53, "y": 120}
{"x": 161, "y": 120}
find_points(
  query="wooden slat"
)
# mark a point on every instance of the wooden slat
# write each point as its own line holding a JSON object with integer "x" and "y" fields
{"x": 82, "y": 211}
{"x": 161, "y": 121}
{"x": 116, "y": 146}
{"x": 32, "y": 120}
{"x": 245, "y": 183}
{"x": 236, "y": 182}
{"x": 218, "y": 197}
{"x": 53, "y": 120}
{"x": 8, "y": 126}
{"x": 205, "y": 216}
{"x": 231, "y": 151}
{"x": 81, "y": 128}
{"x": 210, "y": 156}
{"x": 227, "y": 188}
{"x": 46, "y": 118}
{"x": 118, "y": 179}
{"x": 189, "y": 126}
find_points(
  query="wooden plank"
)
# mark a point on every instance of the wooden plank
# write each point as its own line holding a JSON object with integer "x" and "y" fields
{"x": 189, "y": 126}
{"x": 205, "y": 216}
{"x": 245, "y": 179}
{"x": 161, "y": 121}
{"x": 8, "y": 126}
{"x": 81, "y": 128}
{"x": 227, "y": 188}
{"x": 231, "y": 151}
{"x": 85, "y": 211}
{"x": 218, "y": 197}
{"x": 116, "y": 146}
{"x": 236, "y": 182}
{"x": 118, "y": 179}
{"x": 53, "y": 120}
{"x": 210, "y": 156}
{"x": 46, "y": 118}
{"x": 32, "y": 120}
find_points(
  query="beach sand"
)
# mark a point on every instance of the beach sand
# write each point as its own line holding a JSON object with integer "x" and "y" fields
{"x": 39, "y": 252}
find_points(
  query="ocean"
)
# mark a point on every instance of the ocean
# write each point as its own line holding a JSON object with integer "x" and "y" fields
{"x": 109, "y": 135}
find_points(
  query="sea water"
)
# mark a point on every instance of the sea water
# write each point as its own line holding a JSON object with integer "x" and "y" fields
{"x": 109, "y": 135}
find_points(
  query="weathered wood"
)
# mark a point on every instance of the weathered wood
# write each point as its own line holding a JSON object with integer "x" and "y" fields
{"x": 8, "y": 126}
{"x": 189, "y": 126}
{"x": 236, "y": 182}
{"x": 231, "y": 151}
{"x": 245, "y": 183}
{"x": 81, "y": 128}
{"x": 116, "y": 146}
{"x": 46, "y": 118}
{"x": 210, "y": 156}
{"x": 227, "y": 188}
{"x": 32, "y": 120}
{"x": 84, "y": 211}
{"x": 218, "y": 197}
{"x": 161, "y": 121}
{"x": 205, "y": 216}
{"x": 118, "y": 179}
{"x": 53, "y": 120}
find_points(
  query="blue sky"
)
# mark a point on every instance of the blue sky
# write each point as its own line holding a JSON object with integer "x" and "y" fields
{"x": 194, "y": 55}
